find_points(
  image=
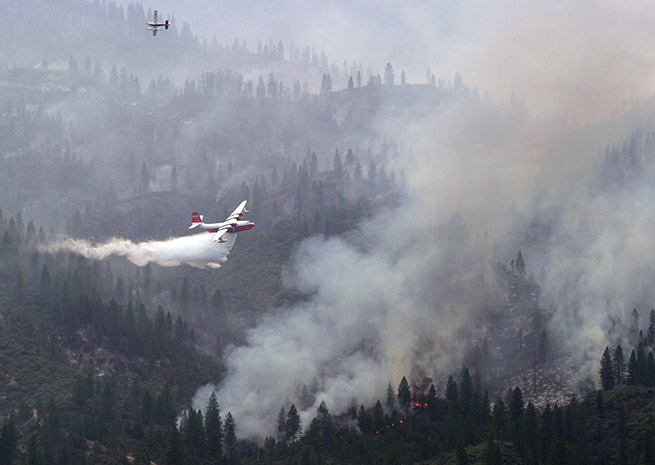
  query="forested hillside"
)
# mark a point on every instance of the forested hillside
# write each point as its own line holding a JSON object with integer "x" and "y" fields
{"x": 431, "y": 279}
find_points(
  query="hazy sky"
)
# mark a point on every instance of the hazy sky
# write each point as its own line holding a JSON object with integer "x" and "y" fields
{"x": 579, "y": 58}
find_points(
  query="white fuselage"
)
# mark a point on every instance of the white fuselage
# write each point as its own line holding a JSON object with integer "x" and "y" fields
{"x": 235, "y": 226}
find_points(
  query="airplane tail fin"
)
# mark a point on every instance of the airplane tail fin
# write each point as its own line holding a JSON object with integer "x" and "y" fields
{"x": 196, "y": 220}
{"x": 166, "y": 25}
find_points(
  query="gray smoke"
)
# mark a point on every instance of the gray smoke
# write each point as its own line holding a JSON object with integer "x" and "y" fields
{"x": 197, "y": 250}
{"x": 395, "y": 298}
{"x": 405, "y": 294}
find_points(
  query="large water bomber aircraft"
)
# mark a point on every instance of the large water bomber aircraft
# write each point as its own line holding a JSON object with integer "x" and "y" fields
{"x": 232, "y": 224}
{"x": 154, "y": 25}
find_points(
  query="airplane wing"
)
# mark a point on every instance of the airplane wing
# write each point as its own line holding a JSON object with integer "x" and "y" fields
{"x": 238, "y": 212}
{"x": 219, "y": 234}
{"x": 154, "y": 31}
{"x": 155, "y": 19}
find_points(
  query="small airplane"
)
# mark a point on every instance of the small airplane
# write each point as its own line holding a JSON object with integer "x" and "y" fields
{"x": 154, "y": 26}
{"x": 232, "y": 224}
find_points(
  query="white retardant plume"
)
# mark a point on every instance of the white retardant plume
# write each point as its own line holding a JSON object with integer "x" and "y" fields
{"x": 197, "y": 250}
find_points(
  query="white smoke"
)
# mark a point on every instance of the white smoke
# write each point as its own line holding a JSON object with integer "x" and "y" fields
{"x": 197, "y": 250}
{"x": 387, "y": 303}
{"x": 404, "y": 295}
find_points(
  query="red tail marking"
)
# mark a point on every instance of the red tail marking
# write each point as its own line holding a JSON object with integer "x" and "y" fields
{"x": 195, "y": 217}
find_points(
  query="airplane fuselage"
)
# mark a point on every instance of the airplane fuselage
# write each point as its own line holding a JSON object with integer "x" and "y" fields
{"x": 154, "y": 25}
{"x": 234, "y": 228}
{"x": 233, "y": 224}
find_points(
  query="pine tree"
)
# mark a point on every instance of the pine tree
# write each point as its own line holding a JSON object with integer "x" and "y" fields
{"x": 364, "y": 420}
{"x": 498, "y": 416}
{"x": 649, "y": 376}
{"x": 388, "y": 75}
{"x": 230, "y": 443}
{"x": 326, "y": 84}
{"x": 175, "y": 452}
{"x": 490, "y": 457}
{"x": 633, "y": 369}
{"x": 641, "y": 364}
{"x": 293, "y": 423}
{"x": 322, "y": 411}
{"x": 431, "y": 400}
{"x": 51, "y": 430}
{"x": 634, "y": 327}
{"x": 404, "y": 394}
{"x": 195, "y": 436}
{"x": 520, "y": 265}
{"x": 531, "y": 432}
{"x": 313, "y": 165}
{"x": 623, "y": 438}
{"x": 619, "y": 366}
{"x": 466, "y": 391}
{"x": 390, "y": 402}
{"x": 378, "y": 416}
{"x": 8, "y": 442}
{"x": 547, "y": 429}
{"x": 281, "y": 425}
{"x": 606, "y": 371}
{"x": 461, "y": 455}
{"x": 214, "y": 428}
{"x": 452, "y": 396}
{"x": 33, "y": 452}
{"x": 516, "y": 405}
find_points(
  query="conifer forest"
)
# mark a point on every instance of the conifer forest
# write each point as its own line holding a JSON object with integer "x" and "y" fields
{"x": 446, "y": 255}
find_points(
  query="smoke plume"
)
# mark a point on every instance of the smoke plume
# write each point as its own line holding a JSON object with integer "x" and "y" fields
{"x": 197, "y": 250}
{"x": 405, "y": 294}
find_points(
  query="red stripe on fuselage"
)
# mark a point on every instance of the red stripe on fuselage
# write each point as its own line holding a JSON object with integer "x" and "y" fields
{"x": 245, "y": 227}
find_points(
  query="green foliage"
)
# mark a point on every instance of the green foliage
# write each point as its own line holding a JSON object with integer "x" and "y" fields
{"x": 214, "y": 428}
{"x": 452, "y": 396}
{"x": 230, "y": 445}
{"x": 618, "y": 363}
{"x": 404, "y": 394}
{"x": 293, "y": 423}
{"x": 8, "y": 442}
{"x": 71, "y": 408}
{"x": 606, "y": 370}
{"x": 391, "y": 398}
